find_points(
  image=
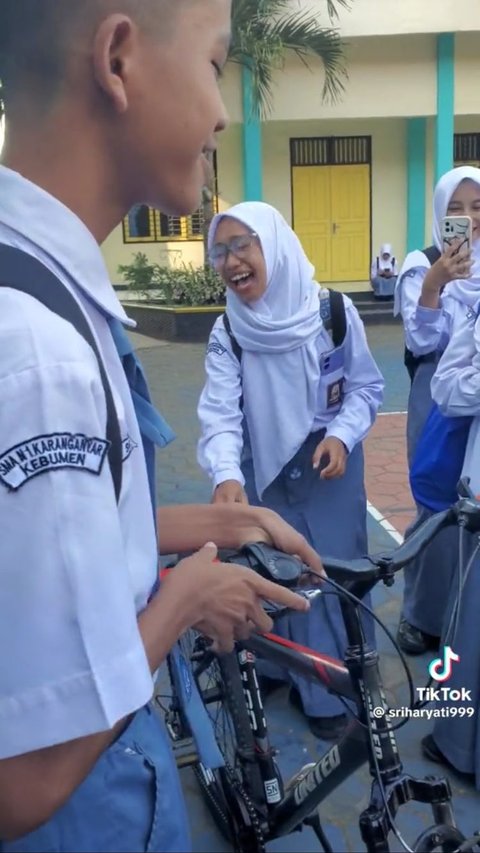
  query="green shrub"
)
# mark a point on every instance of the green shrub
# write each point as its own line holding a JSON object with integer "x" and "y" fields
{"x": 178, "y": 285}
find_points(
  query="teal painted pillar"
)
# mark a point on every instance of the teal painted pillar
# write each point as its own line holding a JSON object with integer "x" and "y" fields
{"x": 252, "y": 144}
{"x": 445, "y": 124}
{"x": 416, "y": 180}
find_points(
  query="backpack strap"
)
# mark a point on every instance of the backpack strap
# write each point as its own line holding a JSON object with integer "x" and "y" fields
{"x": 236, "y": 348}
{"x": 20, "y": 271}
{"x": 432, "y": 254}
{"x": 333, "y": 315}
{"x": 339, "y": 318}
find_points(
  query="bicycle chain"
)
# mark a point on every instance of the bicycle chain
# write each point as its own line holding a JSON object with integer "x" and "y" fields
{"x": 252, "y": 813}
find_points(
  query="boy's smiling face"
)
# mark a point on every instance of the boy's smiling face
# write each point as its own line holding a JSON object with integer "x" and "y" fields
{"x": 172, "y": 108}
{"x": 114, "y": 102}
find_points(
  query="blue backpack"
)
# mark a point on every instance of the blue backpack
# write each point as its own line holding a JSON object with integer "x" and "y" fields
{"x": 438, "y": 460}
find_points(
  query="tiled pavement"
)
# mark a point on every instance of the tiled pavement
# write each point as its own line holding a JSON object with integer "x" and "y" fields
{"x": 176, "y": 374}
{"x": 385, "y": 471}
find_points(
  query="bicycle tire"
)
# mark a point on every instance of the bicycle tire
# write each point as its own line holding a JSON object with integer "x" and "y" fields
{"x": 232, "y": 793}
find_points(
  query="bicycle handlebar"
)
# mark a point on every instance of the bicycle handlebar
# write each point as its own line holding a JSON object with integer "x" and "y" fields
{"x": 287, "y": 570}
{"x": 465, "y": 513}
{"x": 382, "y": 565}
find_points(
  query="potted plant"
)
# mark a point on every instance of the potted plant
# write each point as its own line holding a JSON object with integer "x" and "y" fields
{"x": 180, "y": 302}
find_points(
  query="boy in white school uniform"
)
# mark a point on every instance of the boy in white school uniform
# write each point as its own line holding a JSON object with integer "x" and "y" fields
{"x": 108, "y": 103}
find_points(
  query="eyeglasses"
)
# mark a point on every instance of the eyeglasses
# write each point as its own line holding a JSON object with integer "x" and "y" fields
{"x": 238, "y": 246}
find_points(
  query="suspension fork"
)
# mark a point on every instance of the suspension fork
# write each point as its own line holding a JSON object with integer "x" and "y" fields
{"x": 264, "y": 754}
{"x": 372, "y": 703}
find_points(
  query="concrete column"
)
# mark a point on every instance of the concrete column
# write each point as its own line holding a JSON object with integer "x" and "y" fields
{"x": 252, "y": 144}
{"x": 416, "y": 179}
{"x": 445, "y": 123}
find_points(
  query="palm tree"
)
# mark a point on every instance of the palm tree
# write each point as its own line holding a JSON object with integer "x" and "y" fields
{"x": 264, "y": 32}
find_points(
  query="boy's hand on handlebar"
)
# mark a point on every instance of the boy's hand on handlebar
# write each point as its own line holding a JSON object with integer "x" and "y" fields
{"x": 273, "y": 530}
{"x": 230, "y": 491}
{"x": 226, "y": 599}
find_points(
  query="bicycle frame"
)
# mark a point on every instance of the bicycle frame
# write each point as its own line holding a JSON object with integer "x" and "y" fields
{"x": 370, "y": 740}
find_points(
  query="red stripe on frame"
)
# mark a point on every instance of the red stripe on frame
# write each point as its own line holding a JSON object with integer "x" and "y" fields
{"x": 317, "y": 658}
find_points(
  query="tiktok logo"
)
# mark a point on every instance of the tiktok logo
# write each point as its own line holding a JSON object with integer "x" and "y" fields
{"x": 440, "y": 669}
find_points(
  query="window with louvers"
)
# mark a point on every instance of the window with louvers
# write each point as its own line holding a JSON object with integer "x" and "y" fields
{"x": 146, "y": 225}
{"x": 331, "y": 151}
{"x": 467, "y": 149}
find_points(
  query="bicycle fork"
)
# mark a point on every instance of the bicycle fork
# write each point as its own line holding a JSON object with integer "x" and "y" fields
{"x": 391, "y": 787}
{"x": 264, "y": 754}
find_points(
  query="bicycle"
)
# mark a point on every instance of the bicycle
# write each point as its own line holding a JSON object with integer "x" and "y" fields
{"x": 247, "y": 797}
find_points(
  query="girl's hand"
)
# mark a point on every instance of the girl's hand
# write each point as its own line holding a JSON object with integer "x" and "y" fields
{"x": 229, "y": 492}
{"x": 335, "y": 452}
{"x": 455, "y": 263}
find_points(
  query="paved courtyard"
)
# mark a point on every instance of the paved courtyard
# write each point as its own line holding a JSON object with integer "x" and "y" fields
{"x": 176, "y": 375}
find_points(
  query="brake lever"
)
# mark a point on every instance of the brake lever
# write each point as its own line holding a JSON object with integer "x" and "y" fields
{"x": 275, "y": 611}
{"x": 464, "y": 490}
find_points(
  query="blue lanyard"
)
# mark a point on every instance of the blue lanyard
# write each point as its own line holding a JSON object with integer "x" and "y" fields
{"x": 155, "y": 431}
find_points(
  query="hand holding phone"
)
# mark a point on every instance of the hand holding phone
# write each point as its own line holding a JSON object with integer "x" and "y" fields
{"x": 457, "y": 234}
{"x": 455, "y": 261}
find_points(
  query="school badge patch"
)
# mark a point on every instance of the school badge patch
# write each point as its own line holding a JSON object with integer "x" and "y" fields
{"x": 128, "y": 446}
{"x": 216, "y": 348}
{"x": 46, "y": 453}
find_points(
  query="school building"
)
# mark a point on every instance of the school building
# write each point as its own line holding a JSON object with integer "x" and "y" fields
{"x": 351, "y": 175}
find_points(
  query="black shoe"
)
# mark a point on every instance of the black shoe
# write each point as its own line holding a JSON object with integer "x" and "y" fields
{"x": 411, "y": 640}
{"x": 269, "y": 685}
{"x": 434, "y": 753}
{"x": 324, "y": 728}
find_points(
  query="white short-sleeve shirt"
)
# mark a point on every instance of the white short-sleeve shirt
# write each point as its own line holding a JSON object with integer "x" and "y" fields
{"x": 75, "y": 568}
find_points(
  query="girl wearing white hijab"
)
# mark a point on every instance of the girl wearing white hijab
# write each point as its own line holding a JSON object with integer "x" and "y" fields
{"x": 384, "y": 273}
{"x": 456, "y": 390}
{"x": 283, "y": 425}
{"x": 434, "y": 300}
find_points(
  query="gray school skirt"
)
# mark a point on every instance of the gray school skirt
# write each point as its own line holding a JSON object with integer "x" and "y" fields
{"x": 428, "y": 578}
{"x": 332, "y": 516}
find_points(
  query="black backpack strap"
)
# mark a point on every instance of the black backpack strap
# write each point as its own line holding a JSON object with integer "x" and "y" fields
{"x": 338, "y": 318}
{"x": 20, "y": 271}
{"x": 432, "y": 254}
{"x": 236, "y": 348}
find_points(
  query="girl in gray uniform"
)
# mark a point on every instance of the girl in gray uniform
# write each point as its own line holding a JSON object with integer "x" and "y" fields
{"x": 456, "y": 389}
{"x": 433, "y": 299}
{"x": 283, "y": 419}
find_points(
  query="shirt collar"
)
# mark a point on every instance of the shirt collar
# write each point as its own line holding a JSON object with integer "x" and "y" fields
{"x": 54, "y": 229}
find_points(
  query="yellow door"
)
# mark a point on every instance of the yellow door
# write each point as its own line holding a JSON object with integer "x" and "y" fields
{"x": 312, "y": 215}
{"x": 350, "y": 194}
{"x": 331, "y": 215}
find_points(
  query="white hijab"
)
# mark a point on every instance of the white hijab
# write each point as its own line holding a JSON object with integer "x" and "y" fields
{"x": 466, "y": 291}
{"x": 385, "y": 249}
{"x": 278, "y": 335}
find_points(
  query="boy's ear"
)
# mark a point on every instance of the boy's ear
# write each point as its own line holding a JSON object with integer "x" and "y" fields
{"x": 113, "y": 53}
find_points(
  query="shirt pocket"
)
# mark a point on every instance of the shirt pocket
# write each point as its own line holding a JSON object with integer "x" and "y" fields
{"x": 332, "y": 379}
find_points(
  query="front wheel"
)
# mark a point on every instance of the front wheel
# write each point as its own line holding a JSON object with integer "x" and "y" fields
{"x": 445, "y": 839}
{"x": 234, "y": 794}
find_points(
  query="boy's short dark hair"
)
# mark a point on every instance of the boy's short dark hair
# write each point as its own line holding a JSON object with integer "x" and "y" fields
{"x": 34, "y": 39}
{"x": 37, "y": 35}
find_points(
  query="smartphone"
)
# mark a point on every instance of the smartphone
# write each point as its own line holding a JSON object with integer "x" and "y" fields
{"x": 457, "y": 228}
